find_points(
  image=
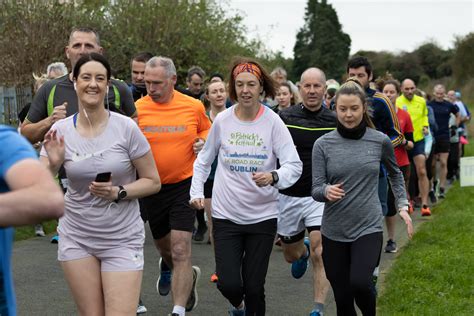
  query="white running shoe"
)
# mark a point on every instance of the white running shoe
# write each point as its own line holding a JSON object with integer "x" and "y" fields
{"x": 39, "y": 230}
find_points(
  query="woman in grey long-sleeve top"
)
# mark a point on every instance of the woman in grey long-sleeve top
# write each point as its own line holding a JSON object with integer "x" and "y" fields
{"x": 346, "y": 165}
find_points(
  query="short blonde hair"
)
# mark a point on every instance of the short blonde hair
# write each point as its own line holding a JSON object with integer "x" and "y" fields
{"x": 39, "y": 81}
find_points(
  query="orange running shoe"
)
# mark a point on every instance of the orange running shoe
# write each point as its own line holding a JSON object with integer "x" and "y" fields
{"x": 411, "y": 209}
{"x": 214, "y": 278}
{"x": 425, "y": 211}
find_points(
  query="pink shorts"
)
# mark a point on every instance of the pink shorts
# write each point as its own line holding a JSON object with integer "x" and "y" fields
{"x": 114, "y": 259}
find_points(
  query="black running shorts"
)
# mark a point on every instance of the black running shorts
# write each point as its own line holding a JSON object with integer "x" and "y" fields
{"x": 169, "y": 209}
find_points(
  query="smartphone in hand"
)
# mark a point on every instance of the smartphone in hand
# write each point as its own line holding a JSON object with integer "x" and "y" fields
{"x": 103, "y": 177}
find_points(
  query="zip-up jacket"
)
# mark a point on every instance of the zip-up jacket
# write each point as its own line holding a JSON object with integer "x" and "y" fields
{"x": 384, "y": 116}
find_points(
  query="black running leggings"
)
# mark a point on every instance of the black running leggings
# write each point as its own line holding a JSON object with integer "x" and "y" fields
{"x": 349, "y": 267}
{"x": 242, "y": 255}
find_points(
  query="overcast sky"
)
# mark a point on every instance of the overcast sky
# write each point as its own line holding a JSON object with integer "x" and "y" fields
{"x": 372, "y": 24}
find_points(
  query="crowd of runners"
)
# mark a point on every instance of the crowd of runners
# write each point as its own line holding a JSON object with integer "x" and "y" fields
{"x": 253, "y": 160}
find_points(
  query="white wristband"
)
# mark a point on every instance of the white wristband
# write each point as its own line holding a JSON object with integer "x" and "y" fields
{"x": 404, "y": 208}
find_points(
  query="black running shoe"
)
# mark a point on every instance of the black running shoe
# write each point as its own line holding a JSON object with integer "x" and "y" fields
{"x": 391, "y": 246}
{"x": 193, "y": 297}
{"x": 432, "y": 196}
{"x": 200, "y": 231}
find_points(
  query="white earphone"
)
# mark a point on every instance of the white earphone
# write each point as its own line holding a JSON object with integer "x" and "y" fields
{"x": 107, "y": 97}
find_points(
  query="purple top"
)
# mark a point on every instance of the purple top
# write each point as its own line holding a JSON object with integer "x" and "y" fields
{"x": 88, "y": 216}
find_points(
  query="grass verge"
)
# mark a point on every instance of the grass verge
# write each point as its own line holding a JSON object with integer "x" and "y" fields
{"x": 434, "y": 275}
{"x": 26, "y": 232}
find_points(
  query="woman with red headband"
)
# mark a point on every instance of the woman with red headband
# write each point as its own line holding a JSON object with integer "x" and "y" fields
{"x": 247, "y": 138}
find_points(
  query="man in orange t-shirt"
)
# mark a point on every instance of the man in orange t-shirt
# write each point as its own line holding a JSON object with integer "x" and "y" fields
{"x": 176, "y": 126}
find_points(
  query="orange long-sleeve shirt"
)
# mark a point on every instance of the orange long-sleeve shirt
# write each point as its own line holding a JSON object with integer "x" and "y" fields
{"x": 171, "y": 129}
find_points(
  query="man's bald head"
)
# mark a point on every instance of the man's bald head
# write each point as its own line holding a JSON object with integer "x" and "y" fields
{"x": 408, "y": 81}
{"x": 408, "y": 88}
{"x": 312, "y": 88}
{"x": 313, "y": 73}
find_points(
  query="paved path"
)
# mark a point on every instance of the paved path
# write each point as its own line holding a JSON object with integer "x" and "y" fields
{"x": 42, "y": 290}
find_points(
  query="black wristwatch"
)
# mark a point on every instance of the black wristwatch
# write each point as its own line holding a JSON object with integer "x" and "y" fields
{"x": 122, "y": 194}
{"x": 274, "y": 177}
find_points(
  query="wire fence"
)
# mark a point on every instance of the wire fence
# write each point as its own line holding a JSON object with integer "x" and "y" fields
{"x": 12, "y": 100}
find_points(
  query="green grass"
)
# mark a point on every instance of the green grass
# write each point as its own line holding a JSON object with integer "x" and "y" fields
{"x": 469, "y": 149}
{"x": 434, "y": 275}
{"x": 26, "y": 232}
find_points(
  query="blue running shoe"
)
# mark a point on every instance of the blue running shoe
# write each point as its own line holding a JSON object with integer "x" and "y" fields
{"x": 299, "y": 267}
{"x": 55, "y": 239}
{"x": 236, "y": 312}
{"x": 315, "y": 312}
{"x": 163, "y": 285}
